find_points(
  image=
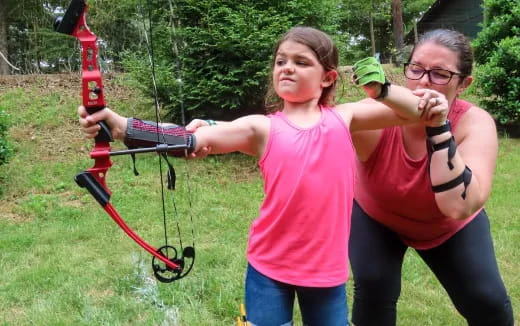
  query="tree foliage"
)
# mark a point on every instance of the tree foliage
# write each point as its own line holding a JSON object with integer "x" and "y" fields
{"x": 211, "y": 56}
{"x": 224, "y": 51}
{"x": 497, "y": 54}
{"x": 35, "y": 47}
{"x": 355, "y": 22}
{"x": 27, "y": 29}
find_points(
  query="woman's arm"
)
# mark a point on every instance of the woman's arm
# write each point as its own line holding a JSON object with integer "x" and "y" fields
{"x": 400, "y": 106}
{"x": 461, "y": 192}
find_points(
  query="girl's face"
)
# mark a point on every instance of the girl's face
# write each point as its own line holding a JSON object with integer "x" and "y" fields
{"x": 298, "y": 76}
{"x": 434, "y": 56}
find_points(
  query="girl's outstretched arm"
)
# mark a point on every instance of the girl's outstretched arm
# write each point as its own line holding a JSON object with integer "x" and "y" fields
{"x": 246, "y": 134}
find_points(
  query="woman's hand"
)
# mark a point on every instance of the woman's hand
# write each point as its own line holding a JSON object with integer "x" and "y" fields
{"x": 90, "y": 128}
{"x": 434, "y": 107}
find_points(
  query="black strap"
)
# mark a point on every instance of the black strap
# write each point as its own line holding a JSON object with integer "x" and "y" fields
{"x": 384, "y": 90}
{"x": 464, "y": 177}
{"x": 448, "y": 143}
{"x": 434, "y": 131}
{"x": 136, "y": 173}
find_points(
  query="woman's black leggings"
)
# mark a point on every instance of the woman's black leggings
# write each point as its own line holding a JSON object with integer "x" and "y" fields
{"x": 465, "y": 265}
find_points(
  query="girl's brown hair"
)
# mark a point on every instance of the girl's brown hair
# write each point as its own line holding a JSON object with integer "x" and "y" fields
{"x": 326, "y": 52}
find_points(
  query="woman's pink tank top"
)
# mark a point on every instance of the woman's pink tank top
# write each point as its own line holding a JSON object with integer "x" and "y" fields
{"x": 301, "y": 235}
{"x": 395, "y": 190}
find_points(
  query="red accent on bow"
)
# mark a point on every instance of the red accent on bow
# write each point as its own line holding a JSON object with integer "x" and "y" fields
{"x": 74, "y": 23}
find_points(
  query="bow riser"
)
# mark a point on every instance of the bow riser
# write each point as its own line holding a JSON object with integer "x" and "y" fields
{"x": 74, "y": 23}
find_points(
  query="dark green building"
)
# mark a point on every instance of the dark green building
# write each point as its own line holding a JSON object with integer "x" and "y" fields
{"x": 464, "y": 16}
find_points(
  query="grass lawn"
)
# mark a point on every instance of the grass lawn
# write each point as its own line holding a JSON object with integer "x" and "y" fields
{"x": 65, "y": 262}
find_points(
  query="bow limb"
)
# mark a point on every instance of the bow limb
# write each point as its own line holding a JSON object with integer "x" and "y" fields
{"x": 74, "y": 23}
{"x": 94, "y": 180}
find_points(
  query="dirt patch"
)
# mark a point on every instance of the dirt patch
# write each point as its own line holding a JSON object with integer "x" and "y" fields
{"x": 69, "y": 84}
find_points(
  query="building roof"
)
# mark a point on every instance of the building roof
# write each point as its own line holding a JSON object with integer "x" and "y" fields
{"x": 464, "y": 16}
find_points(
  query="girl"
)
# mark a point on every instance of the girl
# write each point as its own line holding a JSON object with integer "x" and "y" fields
{"x": 299, "y": 243}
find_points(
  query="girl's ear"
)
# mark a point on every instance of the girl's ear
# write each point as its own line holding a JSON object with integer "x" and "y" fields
{"x": 329, "y": 78}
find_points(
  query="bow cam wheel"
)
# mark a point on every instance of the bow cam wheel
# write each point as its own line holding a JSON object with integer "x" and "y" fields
{"x": 184, "y": 263}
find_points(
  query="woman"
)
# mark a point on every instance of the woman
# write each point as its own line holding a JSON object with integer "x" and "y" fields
{"x": 425, "y": 188}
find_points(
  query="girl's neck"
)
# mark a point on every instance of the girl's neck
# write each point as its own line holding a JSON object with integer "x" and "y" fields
{"x": 309, "y": 106}
{"x": 302, "y": 114}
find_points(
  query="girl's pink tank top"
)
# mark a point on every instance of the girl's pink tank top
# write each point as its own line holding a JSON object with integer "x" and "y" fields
{"x": 301, "y": 235}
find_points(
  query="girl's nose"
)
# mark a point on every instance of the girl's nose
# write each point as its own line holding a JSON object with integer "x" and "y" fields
{"x": 288, "y": 68}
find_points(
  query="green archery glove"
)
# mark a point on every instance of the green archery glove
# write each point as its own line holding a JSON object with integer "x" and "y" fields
{"x": 370, "y": 70}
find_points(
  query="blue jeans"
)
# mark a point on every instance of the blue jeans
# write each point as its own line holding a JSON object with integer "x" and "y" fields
{"x": 270, "y": 303}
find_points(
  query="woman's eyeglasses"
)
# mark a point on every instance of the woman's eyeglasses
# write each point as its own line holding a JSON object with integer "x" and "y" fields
{"x": 437, "y": 76}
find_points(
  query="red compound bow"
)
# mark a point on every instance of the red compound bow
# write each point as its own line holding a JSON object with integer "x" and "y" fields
{"x": 167, "y": 264}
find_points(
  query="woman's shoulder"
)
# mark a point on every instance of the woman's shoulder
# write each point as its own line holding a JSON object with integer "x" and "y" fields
{"x": 476, "y": 121}
{"x": 478, "y": 113}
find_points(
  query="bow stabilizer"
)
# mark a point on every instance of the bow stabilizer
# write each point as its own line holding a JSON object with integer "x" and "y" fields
{"x": 167, "y": 264}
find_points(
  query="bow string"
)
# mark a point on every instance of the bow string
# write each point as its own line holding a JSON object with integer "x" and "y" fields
{"x": 168, "y": 264}
{"x": 162, "y": 272}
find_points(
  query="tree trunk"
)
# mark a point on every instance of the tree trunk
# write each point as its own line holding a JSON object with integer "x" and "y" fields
{"x": 415, "y": 33}
{"x": 397, "y": 22}
{"x": 372, "y": 37}
{"x": 4, "y": 66}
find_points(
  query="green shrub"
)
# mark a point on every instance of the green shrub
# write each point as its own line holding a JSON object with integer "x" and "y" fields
{"x": 497, "y": 54}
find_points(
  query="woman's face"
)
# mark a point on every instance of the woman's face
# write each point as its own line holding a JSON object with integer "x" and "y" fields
{"x": 430, "y": 55}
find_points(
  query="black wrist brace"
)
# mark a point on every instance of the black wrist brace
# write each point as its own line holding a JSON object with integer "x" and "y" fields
{"x": 384, "y": 90}
{"x": 465, "y": 176}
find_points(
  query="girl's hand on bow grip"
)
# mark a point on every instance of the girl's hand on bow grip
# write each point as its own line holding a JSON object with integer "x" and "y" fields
{"x": 90, "y": 128}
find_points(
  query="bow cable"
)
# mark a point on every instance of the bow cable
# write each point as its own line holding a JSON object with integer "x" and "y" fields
{"x": 179, "y": 79}
{"x": 162, "y": 272}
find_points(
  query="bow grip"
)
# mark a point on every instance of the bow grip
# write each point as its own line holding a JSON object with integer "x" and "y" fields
{"x": 104, "y": 135}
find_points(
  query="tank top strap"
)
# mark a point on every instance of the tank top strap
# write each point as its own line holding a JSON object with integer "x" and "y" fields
{"x": 457, "y": 110}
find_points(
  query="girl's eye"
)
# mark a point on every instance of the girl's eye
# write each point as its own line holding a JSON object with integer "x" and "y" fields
{"x": 301, "y": 63}
{"x": 280, "y": 62}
